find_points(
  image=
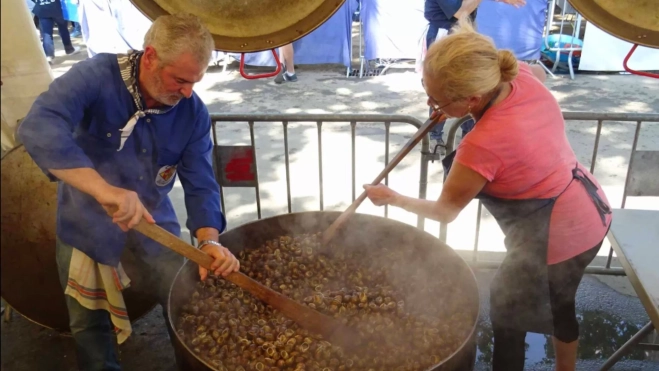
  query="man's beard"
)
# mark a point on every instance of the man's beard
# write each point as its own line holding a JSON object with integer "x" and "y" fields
{"x": 167, "y": 99}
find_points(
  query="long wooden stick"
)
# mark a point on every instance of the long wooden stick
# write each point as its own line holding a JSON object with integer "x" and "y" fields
{"x": 423, "y": 130}
{"x": 314, "y": 321}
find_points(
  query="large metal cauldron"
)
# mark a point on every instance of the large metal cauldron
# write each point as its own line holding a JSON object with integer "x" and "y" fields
{"x": 30, "y": 281}
{"x": 635, "y": 21}
{"x": 370, "y": 234}
{"x": 249, "y": 25}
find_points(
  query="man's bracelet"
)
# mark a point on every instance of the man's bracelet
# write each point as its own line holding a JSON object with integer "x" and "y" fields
{"x": 208, "y": 242}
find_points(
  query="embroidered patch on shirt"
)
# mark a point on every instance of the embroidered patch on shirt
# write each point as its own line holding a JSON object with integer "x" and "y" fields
{"x": 165, "y": 175}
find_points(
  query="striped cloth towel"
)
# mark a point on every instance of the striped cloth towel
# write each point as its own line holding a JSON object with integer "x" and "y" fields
{"x": 98, "y": 286}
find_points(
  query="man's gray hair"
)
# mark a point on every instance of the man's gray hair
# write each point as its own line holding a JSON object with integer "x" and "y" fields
{"x": 173, "y": 35}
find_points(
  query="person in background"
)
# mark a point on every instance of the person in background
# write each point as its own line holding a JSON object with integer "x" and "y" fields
{"x": 518, "y": 162}
{"x": 35, "y": 19}
{"x": 111, "y": 26}
{"x": 70, "y": 11}
{"x": 443, "y": 15}
{"x": 50, "y": 14}
{"x": 76, "y": 30}
{"x": 30, "y": 6}
{"x": 287, "y": 73}
{"x": 114, "y": 131}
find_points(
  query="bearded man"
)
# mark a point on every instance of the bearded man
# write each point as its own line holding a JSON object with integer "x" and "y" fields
{"x": 113, "y": 132}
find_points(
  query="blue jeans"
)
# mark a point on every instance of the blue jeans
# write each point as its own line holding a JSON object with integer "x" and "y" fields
{"x": 76, "y": 30}
{"x": 46, "y": 26}
{"x": 92, "y": 330}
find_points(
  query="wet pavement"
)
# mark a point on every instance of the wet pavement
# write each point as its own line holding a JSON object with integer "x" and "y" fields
{"x": 608, "y": 319}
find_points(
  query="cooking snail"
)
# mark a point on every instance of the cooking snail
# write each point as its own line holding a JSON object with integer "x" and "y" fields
{"x": 231, "y": 330}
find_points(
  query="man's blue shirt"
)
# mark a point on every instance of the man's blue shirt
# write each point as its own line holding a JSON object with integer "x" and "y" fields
{"x": 76, "y": 124}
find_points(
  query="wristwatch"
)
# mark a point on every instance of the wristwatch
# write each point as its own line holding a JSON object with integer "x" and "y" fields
{"x": 208, "y": 242}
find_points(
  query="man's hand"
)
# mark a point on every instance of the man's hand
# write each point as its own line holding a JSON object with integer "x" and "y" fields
{"x": 468, "y": 7}
{"x": 129, "y": 208}
{"x": 126, "y": 208}
{"x": 225, "y": 262}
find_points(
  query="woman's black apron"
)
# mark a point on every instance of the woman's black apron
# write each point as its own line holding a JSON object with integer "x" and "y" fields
{"x": 519, "y": 293}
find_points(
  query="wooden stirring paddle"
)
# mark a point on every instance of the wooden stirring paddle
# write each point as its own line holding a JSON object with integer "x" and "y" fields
{"x": 328, "y": 327}
{"x": 423, "y": 130}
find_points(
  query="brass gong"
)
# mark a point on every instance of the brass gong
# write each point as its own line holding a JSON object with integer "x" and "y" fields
{"x": 244, "y": 26}
{"x": 30, "y": 280}
{"x": 636, "y": 21}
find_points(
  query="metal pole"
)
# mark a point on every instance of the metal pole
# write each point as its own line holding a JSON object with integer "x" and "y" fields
{"x": 288, "y": 168}
{"x": 423, "y": 178}
{"x": 350, "y": 46}
{"x": 216, "y": 171}
{"x": 598, "y": 134}
{"x": 353, "y": 126}
{"x": 450, "y": 147}
{"x": 387, "y": 126}
{"x": 546, "y": 69}
{"x": 478, "y": 231}
{"x": 645, "y": 331}
{"x": 256, "y": 169}
{"x": 361, "y": 52}
{"x": 560, "y": 37}
{"x": 624, "y": 191}
{"x": 321, "y": 196}
{"x": 453, "y": 133}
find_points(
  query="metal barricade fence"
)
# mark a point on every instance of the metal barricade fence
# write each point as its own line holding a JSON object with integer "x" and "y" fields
{"x": 236, "y": 166}
{"x": 600, "y": 118}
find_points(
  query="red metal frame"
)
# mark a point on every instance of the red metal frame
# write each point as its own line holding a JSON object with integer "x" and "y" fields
{"x": 641, "y": 73}
{"x": 259, "y": 75}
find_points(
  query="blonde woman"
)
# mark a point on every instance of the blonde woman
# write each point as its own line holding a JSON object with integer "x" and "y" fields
{"x": 519, "y": 163}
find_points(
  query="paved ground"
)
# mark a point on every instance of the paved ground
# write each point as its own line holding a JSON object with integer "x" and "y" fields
{"x": 608, "y": 319}
{"x": 610, "y": 312}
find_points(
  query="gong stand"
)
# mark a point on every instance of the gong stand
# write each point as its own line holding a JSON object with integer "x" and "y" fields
{"x": 634, "y": 72}
{"x": 260, "y": 75}
{"x": 632, "y": 20}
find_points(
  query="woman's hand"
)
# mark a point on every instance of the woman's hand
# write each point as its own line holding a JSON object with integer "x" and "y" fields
{"x": 380, "y": 194}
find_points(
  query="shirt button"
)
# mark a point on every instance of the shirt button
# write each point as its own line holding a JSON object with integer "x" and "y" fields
{"x": 143, "y": 150}
{"x": 109, "y": 135}
{"x": 141, "y": 177}
{"x": 148, "y": 120}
